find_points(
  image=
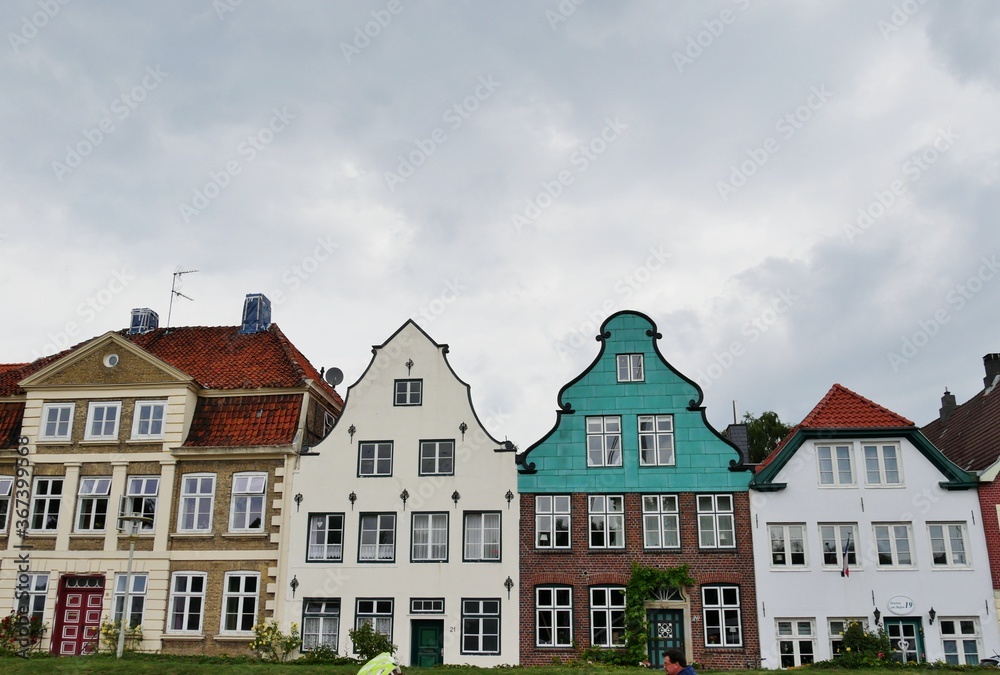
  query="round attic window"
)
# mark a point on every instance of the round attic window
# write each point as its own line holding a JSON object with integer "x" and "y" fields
{"x": 111, "y": 360}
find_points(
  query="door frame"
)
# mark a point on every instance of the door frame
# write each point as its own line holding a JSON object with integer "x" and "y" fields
{"x": 415, "y": 625}
{"x": 60, "y": 609}
{"x": 685, "y": 607}
{"x": 920, "y": 647}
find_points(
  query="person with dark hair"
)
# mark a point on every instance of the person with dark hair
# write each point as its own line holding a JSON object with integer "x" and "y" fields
{"x": 675, "y": 663}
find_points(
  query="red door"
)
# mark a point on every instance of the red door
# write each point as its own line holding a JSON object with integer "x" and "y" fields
{"x": 78, "y": 615}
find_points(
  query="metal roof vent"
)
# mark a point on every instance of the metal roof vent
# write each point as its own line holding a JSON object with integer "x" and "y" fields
{"x": 256, "y": 313}
{"x": 143, "y": 321}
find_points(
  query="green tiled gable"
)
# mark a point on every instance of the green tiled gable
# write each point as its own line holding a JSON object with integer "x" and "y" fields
{"x": 558, "y": 462}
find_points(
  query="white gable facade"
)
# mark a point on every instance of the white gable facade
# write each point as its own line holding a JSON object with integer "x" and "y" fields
{"x": 408, "y": 518}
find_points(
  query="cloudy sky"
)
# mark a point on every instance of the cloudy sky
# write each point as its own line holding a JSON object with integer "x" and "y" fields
{"x": 797, "y": 193}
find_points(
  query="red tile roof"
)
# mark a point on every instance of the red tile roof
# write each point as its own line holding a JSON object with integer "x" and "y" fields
{"x": 970, "y": 436}
{"x": 11, "y": 415}
{"x": 239, "y": 421}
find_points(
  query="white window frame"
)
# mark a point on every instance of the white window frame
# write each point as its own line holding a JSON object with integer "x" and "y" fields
{"x": 429, "y": 537}
{"x": 385, "y": 523}
{"x": 248, "y": 500}
{"x": 405, "y": 394}
{"x": 894, "y": 534}
{"x": 480, "y": 621}
{"x": 153, "y": 420}
{"x": 36, "y": 595}
{"x": 557, "y": 603}
{"x": 661, "y": 514}
{"x": 320, "y": 528}
{"x": 837, "y": 626}
{"x": 6, "y": 488}
{"x": 839, "y": 542}
{"x": 137, "y": 597}
{"x": 481, "y": 536}
{"x": 441, "y": 457}
{"x": 63, "y": 414}
{"x": 605, "y": 521}
{"x": 722, "y": 610}
{"x": 48, "y": 499}
{"x": 630, "y": 368}
{"x": 92, "y": 493}
{"x": 796, "y": 634}
{"x": 888, "y": 472}
{"x": 378, "y": 612}
{"x": 187, "y": 597}
{"x": 194, "y": 503}
{"x": 142, "y": 491}
{"x": 607, "y": 614}
{"x": 788, "y": 535}
{"x": 830, "y": 461}
{"x": 320, "y": 617}
{"x": 381, "y": 452}
{"x": 243, "y": 595}
{"x": 104, "y": 434}
{"x": 955, "y": 556}
{"x": 604, "y": 440}
{"x": 955, "y": 635}
{"x": 721, "y": 520}
{"x": 552, "y": 511}
{"x": 657, "y": 438}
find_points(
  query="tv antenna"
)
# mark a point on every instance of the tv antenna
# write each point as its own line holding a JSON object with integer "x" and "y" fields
{"x": 173, "y": 290}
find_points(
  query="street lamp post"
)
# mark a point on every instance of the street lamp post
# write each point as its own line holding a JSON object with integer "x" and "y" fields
{"x": 132, "y": 525}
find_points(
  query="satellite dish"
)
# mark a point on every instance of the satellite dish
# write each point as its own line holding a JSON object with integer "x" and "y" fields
{"x": 334, "y": 376}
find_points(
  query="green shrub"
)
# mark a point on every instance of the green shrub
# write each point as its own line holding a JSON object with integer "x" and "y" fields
{"x": 273, "y": 645}
{"x": 369, "y": 643}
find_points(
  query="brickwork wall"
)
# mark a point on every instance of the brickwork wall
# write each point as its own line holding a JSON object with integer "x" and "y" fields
{"x": 989, "y": 497}
{"x": 581, "y": 567}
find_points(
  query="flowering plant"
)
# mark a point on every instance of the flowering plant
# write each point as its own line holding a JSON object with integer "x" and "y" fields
{"x": 273, "y": 645}
{"x": 109, "y": 635}
{"x": 14, "y": 639}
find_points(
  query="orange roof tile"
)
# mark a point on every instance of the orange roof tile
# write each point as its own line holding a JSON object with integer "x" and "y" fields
{"x": 842, "y": 408}
{"x": 239, "y": 421}
{"x": 11, "y": 415}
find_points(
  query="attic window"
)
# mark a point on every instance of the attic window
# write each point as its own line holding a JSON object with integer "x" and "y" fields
{"x": 111, "y": 360}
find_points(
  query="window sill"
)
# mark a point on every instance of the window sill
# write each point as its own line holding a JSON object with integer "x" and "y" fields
{"x": 193, "y": 637}
{"x": 110, "y": 440}
{"x": 192, "y": 535}
{"x": 144, "y": 440}
{"x": 242, "y": 637}
{"x": 54, "y": 441}
{"x": 243, "y": 535}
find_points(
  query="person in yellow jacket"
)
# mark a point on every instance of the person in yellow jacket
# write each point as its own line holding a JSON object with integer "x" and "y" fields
{"x": 383, "y": 664}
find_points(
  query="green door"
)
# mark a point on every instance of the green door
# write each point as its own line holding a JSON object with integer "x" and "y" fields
{"x": 906, "y": 639}
{"x": 666, "y": 631}
{"x": 427, "y": 643}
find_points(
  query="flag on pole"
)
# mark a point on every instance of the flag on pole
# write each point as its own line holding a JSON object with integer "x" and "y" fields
{"x": 845, "y": 571}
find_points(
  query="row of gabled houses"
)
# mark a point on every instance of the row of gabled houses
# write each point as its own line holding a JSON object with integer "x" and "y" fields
{"x": 264, "y": 494}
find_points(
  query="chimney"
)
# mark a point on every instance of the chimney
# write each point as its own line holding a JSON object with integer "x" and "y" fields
{"x": 143, "y": 321}
{"x": 256, "y": 313}
{"x": 992, "y": 365}
{"x": 948, "y": 405}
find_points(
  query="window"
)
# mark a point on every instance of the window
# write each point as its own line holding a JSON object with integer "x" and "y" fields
{"x": 328, "y": 423}
{"x": 481, "y": 626}
{"x": 796, "y": 644}
{"x": 320, "y": 623}
{"x": 136, "y": 597}
{"x": 326, "y": 537}
{"x": 247, "y": 513}
{"x": 409, "y": 392}
{"x": 660, "y": 522}
{"x": 656, "y": 440}
{"x": 837, "y": 538}
{"x": 607, "y": 521}
{"x": 716, "y": 528}
{"x": 239, "y": 602}
{"x": 788, "y": 545}
{"x": 426, "y": 605}
{"x": 437, "y": 458}
{"x": 948, "y": 544}
{"x": 553, "y": 616}
{"x": 835, "y": 465}
{"x": 604, "y": 441}
{"x": 378, "y": 535}
{"x": 630, "y": 368}
{"x": 721, "y": 609}
{"x": 882, "y": 464}
{"x": 57, "y": 421}
{"x": 552, "y": 521}
{"x": 482, "y": 537}
{"x": 46, "y": 495}
{"x": 187, "y": 602}
{"x": 375, "y": 458}
{"x": 92, "y": 509}
{"x": 892, "y": 545}
{"x": 6, "y": 485}
{"x": 140, "y": 499}
{"x": 32, "y": 600}
{"x": 147, "y": 422}
{"x": 375, "y": 612}
{"x": 607, "y": 616}
{"x": 960, "y": 640}
{"x": 430, "y": 537}
{"x": 197, "y": 497}
{"x": 102, "y": 421}
{"x": 837, "y": 629}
